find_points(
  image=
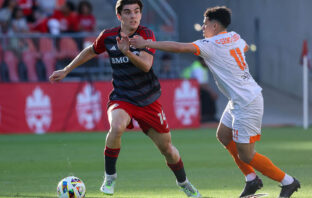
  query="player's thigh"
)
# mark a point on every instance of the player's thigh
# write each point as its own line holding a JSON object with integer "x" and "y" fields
{"x": 224, "y": 134}
{"x": 118, "y": 119}
{"x": 224, "y": 131}
{"x": 245, "y": 151}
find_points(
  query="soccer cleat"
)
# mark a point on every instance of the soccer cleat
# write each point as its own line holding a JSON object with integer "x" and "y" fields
{"x": 251, "y": 187}
{"x": 109, "y": 184}
{"x": 288, "y": 190}
{"x": 188, "y": 189}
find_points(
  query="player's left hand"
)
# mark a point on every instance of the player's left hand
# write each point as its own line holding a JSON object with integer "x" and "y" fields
{"x": 58, "y": 75}
{"x": 137, "y": 42}
{"x": 123, "y": 43}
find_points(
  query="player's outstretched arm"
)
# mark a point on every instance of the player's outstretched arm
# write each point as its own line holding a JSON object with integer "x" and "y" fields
{"x": 144, "y": 61}
{"x": 169, "y": 46}
{"x": 81, "y": 58}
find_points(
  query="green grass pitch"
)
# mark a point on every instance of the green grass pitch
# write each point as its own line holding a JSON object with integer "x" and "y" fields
{"x": 32, "y": 165}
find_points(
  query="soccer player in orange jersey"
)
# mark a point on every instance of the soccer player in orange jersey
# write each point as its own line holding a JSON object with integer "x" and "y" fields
{"x": 240, "y": 124}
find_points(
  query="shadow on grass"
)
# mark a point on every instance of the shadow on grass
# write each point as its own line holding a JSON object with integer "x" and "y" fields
{"x": 47, "y": 196}
{"x": 27, "y": 196}
{"x": 36, "y": 196}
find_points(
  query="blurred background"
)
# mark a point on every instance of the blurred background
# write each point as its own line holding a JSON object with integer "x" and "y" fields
{"x": 40, "y": 36}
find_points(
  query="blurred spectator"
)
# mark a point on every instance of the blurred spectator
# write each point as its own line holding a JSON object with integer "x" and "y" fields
{"x": 85, "y": 17}
{"x": 166, "y": 71}
{"x": 27, "y": 7}
{"x": 47, "y": 6}
{"x": 49, "y": 17}
{"x": 23, "y": 50}
{"x": 198, "y": 70}
{"x": 67, "y": 17}
{"x": 41, "y": 22}
{"x": 18, "y": 25}
{"x": 18, "y": 22}
{"x": 6, "y": 13}
{"x": 60, "y": 3}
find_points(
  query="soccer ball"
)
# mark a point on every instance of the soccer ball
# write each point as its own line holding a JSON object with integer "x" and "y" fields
{"x": 71, "y": 187}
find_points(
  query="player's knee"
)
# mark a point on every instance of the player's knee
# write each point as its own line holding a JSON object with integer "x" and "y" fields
{"x": 116, "y": 130}
{"x": 166, "y": 150}
{"x": 245, "y": 157}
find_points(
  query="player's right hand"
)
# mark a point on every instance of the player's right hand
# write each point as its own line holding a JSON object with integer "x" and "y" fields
{"x": 123, "y": 43}
{"x": 57, "y": 75}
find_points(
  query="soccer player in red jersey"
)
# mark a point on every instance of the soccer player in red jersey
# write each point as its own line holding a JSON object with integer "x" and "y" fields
{"x": 135, "y": 94}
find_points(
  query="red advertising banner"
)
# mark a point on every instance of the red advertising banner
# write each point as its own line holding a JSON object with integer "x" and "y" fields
{"x": 81, "y": 106}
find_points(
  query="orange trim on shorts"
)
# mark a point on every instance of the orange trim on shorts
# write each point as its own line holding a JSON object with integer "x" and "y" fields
{"x": 197, "y": 49}
{"x": 255, "y": 138}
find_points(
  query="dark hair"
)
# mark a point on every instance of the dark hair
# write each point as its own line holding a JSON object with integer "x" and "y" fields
{"x": 71, "y": 6}
{"x": 221, "y": 14}
{"x": 15, "y": 11}
{"x": 84, "y": 3}
{"x": 6, "y": 3}
{"x": 121, "y": 3}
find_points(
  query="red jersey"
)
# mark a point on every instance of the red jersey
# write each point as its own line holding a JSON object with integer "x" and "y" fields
{"x": 40, "y": 26}
{"x": 68, "y": 23}
{"x": 26, "y": 6}
{"x": 86, "y": 22}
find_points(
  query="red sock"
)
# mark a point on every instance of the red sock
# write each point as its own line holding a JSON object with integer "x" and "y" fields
{"x": 178, "y": 170}
{"x": 111, "y": 156}
{"x": 111, "y": 152}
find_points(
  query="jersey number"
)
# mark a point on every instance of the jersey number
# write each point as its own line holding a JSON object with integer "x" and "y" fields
{"x": 162, "y": 117}
{"x": 237, "y": 55}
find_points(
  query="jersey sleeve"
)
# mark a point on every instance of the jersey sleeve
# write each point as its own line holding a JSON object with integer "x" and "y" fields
{"x": 148, "y": 34}
{"x": 245, "y": 45}
{"x": 98, "y": 44}
{"x": 204, "y": 48}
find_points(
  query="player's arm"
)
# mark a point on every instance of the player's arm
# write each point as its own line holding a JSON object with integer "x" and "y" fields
{"x": 144, "y": 61}
{"x": 246, "y": 48}
{"x": 169, "y": 46}
{"x": 85, "y": 55}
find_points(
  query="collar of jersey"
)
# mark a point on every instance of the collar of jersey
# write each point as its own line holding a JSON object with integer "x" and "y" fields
{"x": 224, "y": 32}
{"x": 131, "y": 34}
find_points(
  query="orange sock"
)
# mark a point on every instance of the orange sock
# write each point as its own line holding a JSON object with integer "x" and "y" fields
{"x": 245, "y": 168}
{"x": 264, "y": 165}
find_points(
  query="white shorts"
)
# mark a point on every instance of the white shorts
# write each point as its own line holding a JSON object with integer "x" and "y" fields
{"x": 246, "y": 121}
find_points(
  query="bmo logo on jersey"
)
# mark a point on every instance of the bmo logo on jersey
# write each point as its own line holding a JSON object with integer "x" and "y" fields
{"x": 120, "y": 60}
{"x": 186, "y": 103}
